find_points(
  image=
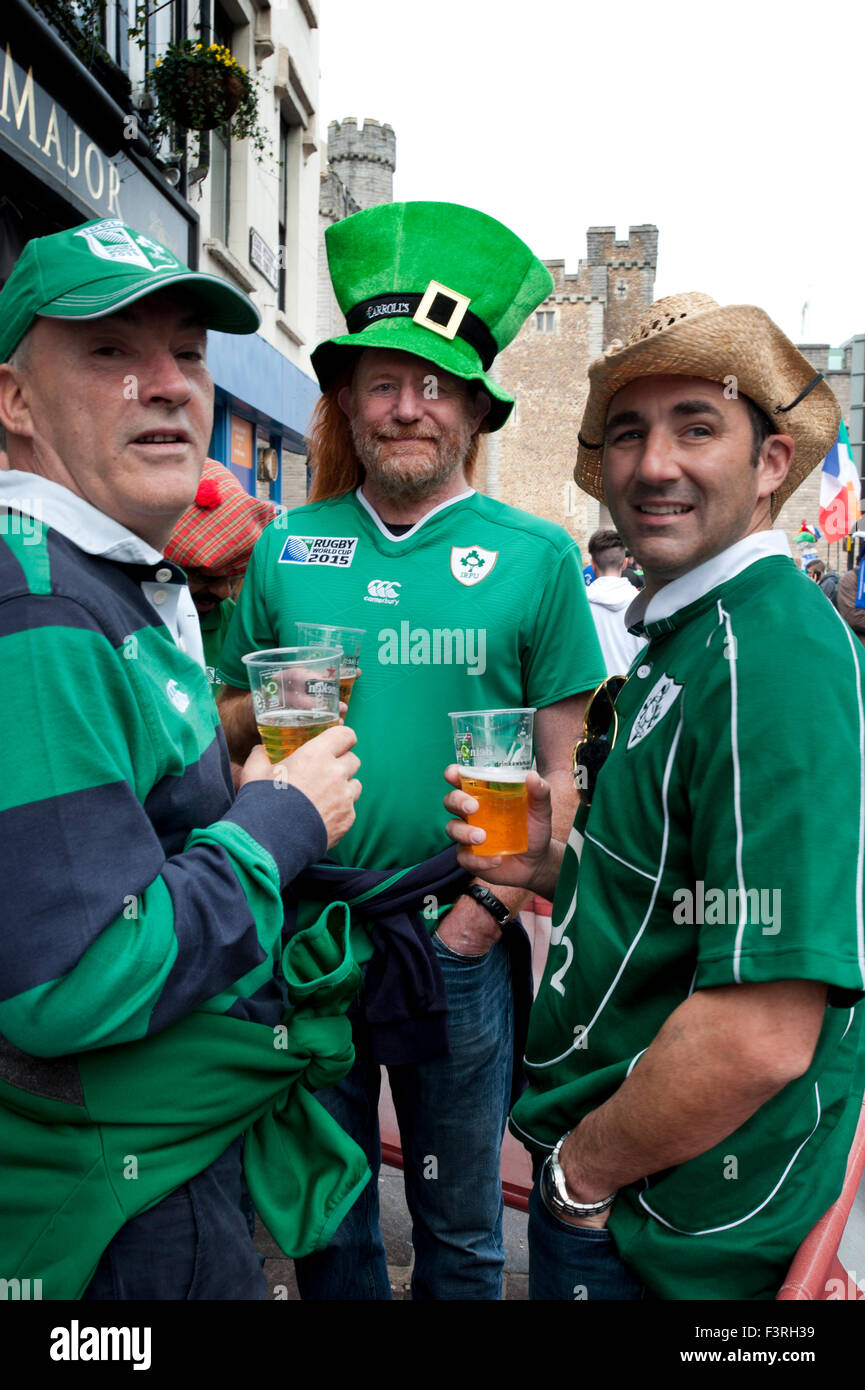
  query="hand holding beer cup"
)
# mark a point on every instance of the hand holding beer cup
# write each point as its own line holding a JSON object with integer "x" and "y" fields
{"x": 512, "y": 871}
{"x": 295, "y": 694}
{"x": 494, "y": 760}
{"x": 323, "y": 769}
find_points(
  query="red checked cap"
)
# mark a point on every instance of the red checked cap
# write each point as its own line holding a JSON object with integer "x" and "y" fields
{"x": 218, "y": 532}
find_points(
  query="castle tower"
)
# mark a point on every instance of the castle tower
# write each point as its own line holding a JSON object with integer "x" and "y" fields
{"x": 363, "y": 160}
{"x": 629, "y": 267}
{"x": 357, "y": 173}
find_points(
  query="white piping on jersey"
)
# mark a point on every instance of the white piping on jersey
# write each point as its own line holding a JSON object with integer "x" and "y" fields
{"x": 531, "y": 1138}
{"x": 619, "y": 858}
{"x": 633, "y": 1062}
{"x": 693, "y": 982}
{"x": 575, "y": 840}
{"x": 847, "y": 1029}
{"x": 731, "y": 657}
{"x": 578, "y": 1041}
{"x": 711, "y": 1230}
{"x": 534, "y": 1140}
{"x": 407, "y": 535}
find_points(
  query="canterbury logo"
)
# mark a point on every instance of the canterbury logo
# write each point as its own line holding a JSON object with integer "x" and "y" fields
{"x": 383, "y": 588}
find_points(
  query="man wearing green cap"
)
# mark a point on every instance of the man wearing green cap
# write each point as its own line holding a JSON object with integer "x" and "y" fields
{"x": 142, "y": 915}
{"x": 695, "y": 1052}
{"x": 467, "y": 604}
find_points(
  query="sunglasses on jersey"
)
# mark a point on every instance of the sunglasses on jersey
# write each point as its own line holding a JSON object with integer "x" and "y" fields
{"x": 600, "y": 727}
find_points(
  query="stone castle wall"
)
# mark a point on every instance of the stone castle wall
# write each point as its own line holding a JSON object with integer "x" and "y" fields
{"x": 545, "y": 369}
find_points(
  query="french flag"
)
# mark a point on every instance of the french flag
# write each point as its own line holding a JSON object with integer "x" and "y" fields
{"x": 839, "y": 489}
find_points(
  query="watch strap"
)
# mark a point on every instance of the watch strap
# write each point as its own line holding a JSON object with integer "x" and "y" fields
{"x": 554, "y": 1190}
{"x": 488, "y": 900}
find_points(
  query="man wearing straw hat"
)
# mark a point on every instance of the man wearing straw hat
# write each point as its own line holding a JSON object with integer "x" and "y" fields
{"x": 695, "y": 1057}
{"x": 142, "y": 928}
{"x": 431, "y": 293}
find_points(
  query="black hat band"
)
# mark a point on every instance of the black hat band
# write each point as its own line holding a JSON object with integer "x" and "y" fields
{"x": 391, "y": 306}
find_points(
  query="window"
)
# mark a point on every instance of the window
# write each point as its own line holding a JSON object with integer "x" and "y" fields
{"x": 545, "y": 321}
{"x": 836, "y": 360}
{"x": 160, "y": 29}
{"x": 283, "y": 209}
{"x": 220, "y": 183}
{"x": 220, "y": 153}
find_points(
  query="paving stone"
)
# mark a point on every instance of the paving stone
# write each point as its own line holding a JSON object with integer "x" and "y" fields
{"x": 515, "y": 1231}
{"x": 265, "y": 1243}
{"x": 281, "y": 1282}
{"x": 395, "y": 1218}
{"x": 516, "y": 1287}
{"x": 400, "y": 1282}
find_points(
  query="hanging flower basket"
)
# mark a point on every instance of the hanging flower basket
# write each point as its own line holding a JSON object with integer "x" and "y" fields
{"x": 201, "y": 86}
{"x": 203, "y": 100}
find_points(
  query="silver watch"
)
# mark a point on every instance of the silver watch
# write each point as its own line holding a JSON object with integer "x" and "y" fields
{"x": 555, "y": 1193}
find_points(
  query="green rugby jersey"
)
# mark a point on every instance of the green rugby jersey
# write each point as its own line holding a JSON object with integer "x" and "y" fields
{"x": 704, "y": 862}
{"x": 478, "y": 606}
{"x": 214, "y": 626}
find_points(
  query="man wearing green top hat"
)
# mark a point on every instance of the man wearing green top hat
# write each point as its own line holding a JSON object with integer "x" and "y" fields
{"x": 143, "y": 1025}
{"x": 467, "y": 604}
{"x": 695, "y": 1053}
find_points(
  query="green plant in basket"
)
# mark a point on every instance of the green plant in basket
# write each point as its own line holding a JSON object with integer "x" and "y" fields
{"x": 202, "y": 86}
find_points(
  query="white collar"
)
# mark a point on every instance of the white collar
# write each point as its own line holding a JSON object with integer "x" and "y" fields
{"x": 367, "y": 506}
{"x": 53, "y": 505}
{"x": 679, "y": 593}
{"x": 77, "y": 520}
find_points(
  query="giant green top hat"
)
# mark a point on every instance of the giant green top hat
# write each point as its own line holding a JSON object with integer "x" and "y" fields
{"x": 444, "y": 282}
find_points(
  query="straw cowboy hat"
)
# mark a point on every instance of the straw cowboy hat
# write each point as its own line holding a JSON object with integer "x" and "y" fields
{"x": 737, "y": 345}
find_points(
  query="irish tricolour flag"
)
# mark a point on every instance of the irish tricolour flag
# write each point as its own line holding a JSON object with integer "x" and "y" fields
{"x": 839, "y": 489}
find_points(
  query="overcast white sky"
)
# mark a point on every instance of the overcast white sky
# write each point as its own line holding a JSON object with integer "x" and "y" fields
{"x": 736, "y": 127}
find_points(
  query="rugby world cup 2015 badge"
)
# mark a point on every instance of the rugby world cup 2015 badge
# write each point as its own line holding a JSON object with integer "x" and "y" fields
{"x": 318, "y": 550}
{"x": 659, "y": 700}
{"x": 471, "y": 563}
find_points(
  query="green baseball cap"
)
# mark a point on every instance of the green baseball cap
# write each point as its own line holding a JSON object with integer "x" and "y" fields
{"x": 93, "y": 270}
{"x": 442, "y": 281}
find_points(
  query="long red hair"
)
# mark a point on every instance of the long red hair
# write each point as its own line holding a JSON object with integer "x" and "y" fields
{"x": 333, "y": 461}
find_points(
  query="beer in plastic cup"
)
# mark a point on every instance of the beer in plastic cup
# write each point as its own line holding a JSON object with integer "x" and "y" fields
{"x": 295, "y": 694}
{"x": 494, "y": 753}
{"x": 347, "y": 638}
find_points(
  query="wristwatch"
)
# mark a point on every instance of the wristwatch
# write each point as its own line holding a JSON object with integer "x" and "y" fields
{"x": 555, "y": 1193}
{"x": 494, "y": 907}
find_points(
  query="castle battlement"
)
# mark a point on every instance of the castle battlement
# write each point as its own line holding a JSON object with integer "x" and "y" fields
{"x": 640, "y": 247}
{"x": 363, "y": 158}
{"x": 372, "y": 142}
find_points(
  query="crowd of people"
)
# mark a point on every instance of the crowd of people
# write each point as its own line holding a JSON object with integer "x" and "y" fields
{"x": 208, "y": 957}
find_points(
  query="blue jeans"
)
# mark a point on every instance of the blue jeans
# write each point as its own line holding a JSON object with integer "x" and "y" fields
{"x": 452, "y": 1114}
{"x": 194, "y": 1244}
{"x": 574, "y": 1262}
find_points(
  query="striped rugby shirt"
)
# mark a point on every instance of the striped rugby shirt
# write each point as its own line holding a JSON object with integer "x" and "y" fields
{"x": 137, "y": 888}
{"x": 703, "y": 862}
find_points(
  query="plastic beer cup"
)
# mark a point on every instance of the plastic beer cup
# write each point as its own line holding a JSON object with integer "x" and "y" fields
{"x": 347, "y": 638}
{"x": 494, "y": 753}
{"x": 295, "y": 694}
